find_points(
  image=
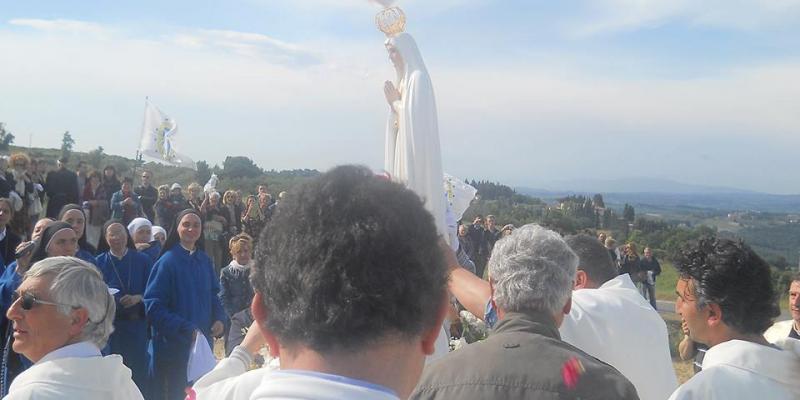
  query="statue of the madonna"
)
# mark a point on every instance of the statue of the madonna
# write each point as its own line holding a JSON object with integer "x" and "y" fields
{"x": 413, "y": 154}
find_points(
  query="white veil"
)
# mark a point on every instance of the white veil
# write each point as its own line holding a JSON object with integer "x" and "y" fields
{"x": 413, "y": 153}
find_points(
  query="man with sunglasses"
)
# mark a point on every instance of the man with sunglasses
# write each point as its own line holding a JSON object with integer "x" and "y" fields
{"x": 62, "y": 316}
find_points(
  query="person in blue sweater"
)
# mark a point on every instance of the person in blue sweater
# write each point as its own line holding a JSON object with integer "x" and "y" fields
{"x": 126, "y": 270}
{"x": 141, "y": 230}
{"x": 56, "y": 239}
{"x": 73, "y": 214}
{"x": 181, "y": 301}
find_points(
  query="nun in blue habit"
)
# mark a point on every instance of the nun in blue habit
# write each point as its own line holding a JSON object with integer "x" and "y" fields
{"x": 73, "y": 214}
{"x": 126, "y": 270}
{"x": 141, "y": 231}
{"x": 181, "y": 301}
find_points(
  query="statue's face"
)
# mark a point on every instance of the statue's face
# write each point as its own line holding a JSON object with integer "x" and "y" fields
{"x": 394, "y": 55}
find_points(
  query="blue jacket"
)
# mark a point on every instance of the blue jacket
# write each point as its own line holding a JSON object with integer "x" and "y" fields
{"x": 182, "y": 296}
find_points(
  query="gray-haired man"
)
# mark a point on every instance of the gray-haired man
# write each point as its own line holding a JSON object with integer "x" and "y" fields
{"x": 63, "y": 315}
{"x": 532, "y": 273}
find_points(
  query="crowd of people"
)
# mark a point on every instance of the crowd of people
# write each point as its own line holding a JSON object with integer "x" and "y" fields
{"x": 349, "y": 294}
{"x": 178, "y": 265}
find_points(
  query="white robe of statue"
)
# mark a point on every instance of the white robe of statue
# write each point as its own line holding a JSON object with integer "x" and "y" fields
{"x": 413, "y": 154}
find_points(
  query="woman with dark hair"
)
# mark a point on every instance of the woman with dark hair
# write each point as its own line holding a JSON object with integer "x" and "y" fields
{"x": 73, "y": 215}
{"x": 126, "y": 270}
{"x": 111, "y": 183}
{"x": 253, "y": 220}
{"x": 181, "y": 302}
{"x": 8, "y": 239}
{"x": 94, "y": 196}
{"x": 23, "y": 185}
{"x": 57, "y": 239}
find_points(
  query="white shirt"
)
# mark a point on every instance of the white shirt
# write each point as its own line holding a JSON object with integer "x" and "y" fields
{"x": 231, "y": 380}
{"x": 737, "y": 369}
{"x": 615, "y": 324}
{"x": 779, "y": 330}
{"x": 76, "y": 371}
{"x": 77, "y": 350}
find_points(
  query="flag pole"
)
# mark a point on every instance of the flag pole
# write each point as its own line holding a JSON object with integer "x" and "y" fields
{"x": 138, "y": 158}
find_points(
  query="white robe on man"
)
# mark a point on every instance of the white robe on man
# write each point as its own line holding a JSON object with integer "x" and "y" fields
{"x": 615, "y": 324}
{"x": 231, "y": 380}
{"x": 779, "y": 330}
{"x": 737, "y": 369}
{"x": 76, "y": 371}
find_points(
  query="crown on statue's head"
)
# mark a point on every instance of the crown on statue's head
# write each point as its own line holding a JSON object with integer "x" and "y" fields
{"x": 391, "y": 21}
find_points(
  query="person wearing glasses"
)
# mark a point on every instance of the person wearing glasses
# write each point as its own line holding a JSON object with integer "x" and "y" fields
{"x": 62, "y": 316}
{"x": 56, "y": 239}
{"x": 148, "y": 195}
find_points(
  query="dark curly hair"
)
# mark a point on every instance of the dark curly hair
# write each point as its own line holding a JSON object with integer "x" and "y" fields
{"x": 351, "y": 260}
{"x": 729, "y": 273}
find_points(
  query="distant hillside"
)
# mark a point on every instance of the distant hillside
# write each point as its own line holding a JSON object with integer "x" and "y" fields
{"x": 656, "y": 201}
{"x": 630, "y": 185}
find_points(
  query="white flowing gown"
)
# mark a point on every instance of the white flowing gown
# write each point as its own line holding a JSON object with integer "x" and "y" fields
{"x": 413, "y": 155}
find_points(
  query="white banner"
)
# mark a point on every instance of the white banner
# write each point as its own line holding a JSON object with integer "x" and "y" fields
{"x": 160, "y": 139}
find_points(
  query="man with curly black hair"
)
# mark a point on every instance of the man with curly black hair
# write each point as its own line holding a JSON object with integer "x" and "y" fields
{"x": 726, "y": 298}
{"x": 350, "y": 286}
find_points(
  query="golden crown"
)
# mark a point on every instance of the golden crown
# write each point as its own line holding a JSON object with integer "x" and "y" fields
{"x": 391, "y": 20}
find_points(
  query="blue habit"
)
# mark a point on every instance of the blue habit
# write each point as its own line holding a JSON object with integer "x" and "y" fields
{"x": 129, "y": 275}
{"x": 12, "y": 363}
{"x": 85, "y": 256}
{"x": 181, "y": 297}
{"x": 153, "y": 251}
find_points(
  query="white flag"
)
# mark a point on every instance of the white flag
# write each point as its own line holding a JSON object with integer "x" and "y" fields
{"x": 458, "y": 197}
{"x": 160, "y": 138}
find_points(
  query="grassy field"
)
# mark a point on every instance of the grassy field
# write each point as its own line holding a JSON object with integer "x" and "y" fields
{"x": 665, "y": 283}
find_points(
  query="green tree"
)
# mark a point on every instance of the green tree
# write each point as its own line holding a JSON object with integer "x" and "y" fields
{"x": 6, "y": 138}
{"x": 240, "y": 167}
{"x": 96, "y": 156}
{"x": 67, "y": 143}
{"x": 628, "y": 213}
{"x": 597, "y": 200}
{"x": 780, "y": 263}
{"x": 203, "y": 173}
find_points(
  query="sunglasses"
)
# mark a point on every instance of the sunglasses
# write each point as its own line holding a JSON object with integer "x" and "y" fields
{"x": 29, "y": 300}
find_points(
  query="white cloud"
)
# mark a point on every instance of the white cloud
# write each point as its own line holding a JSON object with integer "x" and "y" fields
{"x": 621, "y": 15}
{"x": 245, "y": 93}
{"x": 248, "y": 44}
{"x": 61, "y": 26}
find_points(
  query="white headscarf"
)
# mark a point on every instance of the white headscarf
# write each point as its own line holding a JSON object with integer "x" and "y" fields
{"x": 138, "y": 223}
{"x": 157, "y": 229}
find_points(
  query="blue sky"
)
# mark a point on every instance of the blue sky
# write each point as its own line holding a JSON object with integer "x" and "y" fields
{"x": 703, "y": 92}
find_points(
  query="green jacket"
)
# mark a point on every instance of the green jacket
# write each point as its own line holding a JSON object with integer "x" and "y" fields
{"x": 524, "y": 358}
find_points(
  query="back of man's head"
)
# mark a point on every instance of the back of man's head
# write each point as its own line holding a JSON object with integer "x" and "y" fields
{"x": 595, "y": 260}
{"x": 532, "y": 270}
{"x": 730, "y": 274}
{"x": 352, "y": 260}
